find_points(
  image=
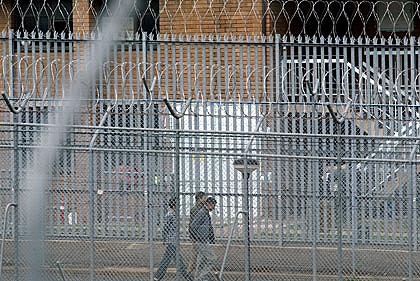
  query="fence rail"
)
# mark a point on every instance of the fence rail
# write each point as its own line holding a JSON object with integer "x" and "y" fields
{"x": 322, "y": 189}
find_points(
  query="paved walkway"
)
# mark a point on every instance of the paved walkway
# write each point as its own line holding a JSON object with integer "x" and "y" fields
{"x": 125, "y": 260}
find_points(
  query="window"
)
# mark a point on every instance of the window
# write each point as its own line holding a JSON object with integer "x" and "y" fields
{"x": 144, "y": 16}
{"x": 43, "y": 16}
{"x": 395, "y": 16}
{"x": 39, "y": 17}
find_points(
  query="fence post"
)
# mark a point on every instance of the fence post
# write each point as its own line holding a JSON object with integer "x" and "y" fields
{"x": 411, "y": 205}
{"x": 149, "y": 221}
{"x": 15, "y": 187}
{"x": 278, "y": 70}
{"x": 177, "y": 116}
{"x": 92, "y": 195}
{"x": 312, "y": 98}
{"x": 339, "y": 122}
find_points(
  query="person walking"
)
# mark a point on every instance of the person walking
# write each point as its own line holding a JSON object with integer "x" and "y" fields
{"x": 200, "y": 199}
{"x": 169, "y": 239}
{"x": 203, "y": 230}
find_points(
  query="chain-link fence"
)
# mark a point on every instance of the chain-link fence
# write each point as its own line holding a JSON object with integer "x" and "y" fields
{"x": 307, "y": 217}
{"x": 310, "y": 149}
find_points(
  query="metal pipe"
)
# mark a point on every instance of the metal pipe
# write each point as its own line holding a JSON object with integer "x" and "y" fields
{"x": 229, "y": 241}
{"x": 11, "y": 107}
{"x": 6, "y": 212}
{"x": 92, "y": 196}
{"x": 339, "y": 121}
{"x": 340, "y": 205}
{"x": 312, "y": 97}
{"x": 60, "y": 270}
{"x": 177, "y": 116}
{"x": 245, "y": 185}
{"x": 245, "y": 190}
{"x": 411, "y": 201}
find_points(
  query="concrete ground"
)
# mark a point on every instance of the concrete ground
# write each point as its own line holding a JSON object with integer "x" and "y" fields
{"x": 128, "y": 260}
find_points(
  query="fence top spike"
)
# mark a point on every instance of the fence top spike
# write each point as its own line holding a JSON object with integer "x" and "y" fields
{"x": 263, "y": 38}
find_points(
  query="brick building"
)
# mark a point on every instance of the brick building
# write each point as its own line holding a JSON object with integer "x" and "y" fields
{"x": 262, "y": 17}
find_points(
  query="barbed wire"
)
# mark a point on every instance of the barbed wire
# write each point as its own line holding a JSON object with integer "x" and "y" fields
{"x": 290, "y": 17}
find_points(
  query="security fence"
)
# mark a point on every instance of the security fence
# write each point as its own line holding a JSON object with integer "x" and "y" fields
{"x": 309, "y": 145}
{"x": 386, "y": 18}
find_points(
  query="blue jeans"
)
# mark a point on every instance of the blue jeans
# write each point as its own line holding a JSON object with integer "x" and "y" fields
{"x": 168, "y": 256}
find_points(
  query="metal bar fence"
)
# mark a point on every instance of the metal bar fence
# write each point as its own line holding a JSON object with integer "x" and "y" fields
{"x": 115, "y": 170}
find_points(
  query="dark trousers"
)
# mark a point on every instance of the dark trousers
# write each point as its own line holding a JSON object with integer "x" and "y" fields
{"x": 168, "y": 256}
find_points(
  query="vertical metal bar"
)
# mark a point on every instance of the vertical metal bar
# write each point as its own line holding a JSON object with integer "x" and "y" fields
{"x": 413, "y": 188}
{"x": 246, "y": 226}
{"x": 177, "y": 173}
{"x": 278, "y": 75}
{"x": 341, "y": 61}
{"x": 354, "y": 189}
{"x": 6, "y": 213}
{"x": 177, "y": 194}
{"x": 16, "y": 167}
{"x": 339, "y": 122}
{"x": 92, "y": 205}
{"x": 91, "y": 218}
{"x": 312, "y": 98}
{"x": 413, "y": 117}
{"x": 340, "y": 205}
{"x": 149, "y": 181}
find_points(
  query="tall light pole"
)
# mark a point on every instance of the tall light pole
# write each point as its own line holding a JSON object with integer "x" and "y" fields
{"x": 246, "y": 167}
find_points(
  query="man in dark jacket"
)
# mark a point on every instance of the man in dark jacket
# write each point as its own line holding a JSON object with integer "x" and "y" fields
{"x": 203, "y": 231}
{"x": 169, "y": 238}
{"x": 200, "y": 199}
